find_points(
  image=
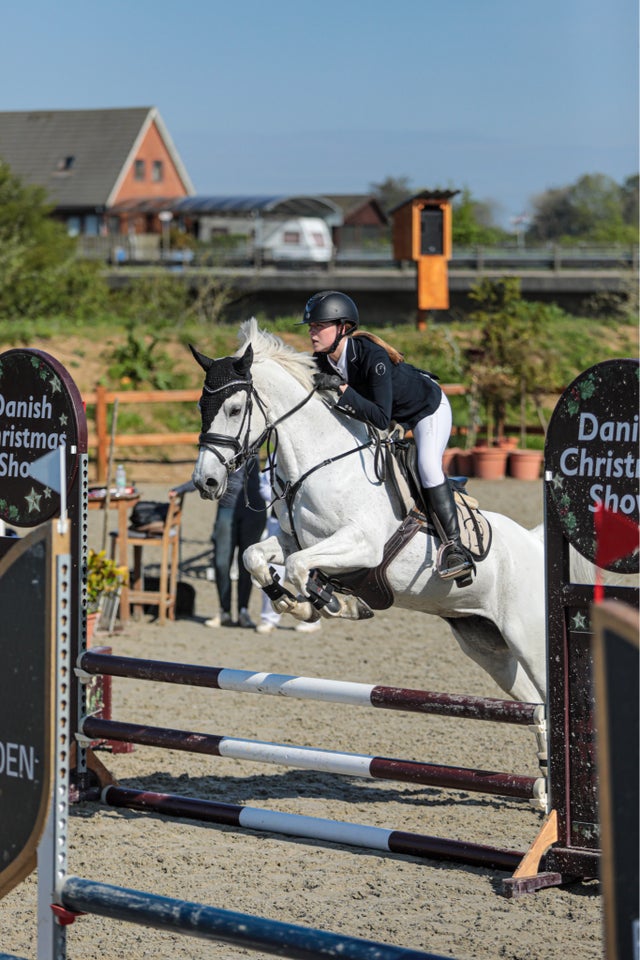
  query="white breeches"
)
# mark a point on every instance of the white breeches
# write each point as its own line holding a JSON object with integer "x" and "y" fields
{"x": 432, "y": 436}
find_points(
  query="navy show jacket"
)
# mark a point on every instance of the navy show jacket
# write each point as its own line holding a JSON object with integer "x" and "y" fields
{"x": 379, "y": 390}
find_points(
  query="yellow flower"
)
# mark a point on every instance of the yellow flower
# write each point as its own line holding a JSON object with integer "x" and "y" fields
{"x": 103, "y": 576}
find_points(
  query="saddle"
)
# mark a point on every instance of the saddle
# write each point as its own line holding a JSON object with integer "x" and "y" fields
{"x": 401, "y": 465}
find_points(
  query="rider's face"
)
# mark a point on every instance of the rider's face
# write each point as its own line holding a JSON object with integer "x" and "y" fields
{"x": 322, "y": 334}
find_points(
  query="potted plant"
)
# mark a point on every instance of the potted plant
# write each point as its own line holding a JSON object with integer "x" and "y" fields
{"x": 104, "y": 582}
{"x": 511, "y": 363}
{"x": 525, "y": 464}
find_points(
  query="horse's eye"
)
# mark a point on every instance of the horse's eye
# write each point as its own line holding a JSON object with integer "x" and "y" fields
{"x": 235, "y": 411}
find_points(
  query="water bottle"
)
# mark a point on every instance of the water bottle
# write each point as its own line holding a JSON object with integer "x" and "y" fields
{"x": 121, "y": 480}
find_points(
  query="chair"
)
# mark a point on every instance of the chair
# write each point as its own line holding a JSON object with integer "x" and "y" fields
{"x": 166, "y": 538}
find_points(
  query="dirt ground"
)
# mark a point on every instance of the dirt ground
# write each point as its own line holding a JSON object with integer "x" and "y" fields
{"x": 452, "y": 910}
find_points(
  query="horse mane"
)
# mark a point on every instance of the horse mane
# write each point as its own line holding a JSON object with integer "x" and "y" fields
{"x": 267, "y": 346}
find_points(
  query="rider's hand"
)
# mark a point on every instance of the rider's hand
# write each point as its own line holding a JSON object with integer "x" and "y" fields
{"x": 327, "y": 381}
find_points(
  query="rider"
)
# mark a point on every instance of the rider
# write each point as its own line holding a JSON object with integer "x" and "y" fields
{"x": 376, "y": 385}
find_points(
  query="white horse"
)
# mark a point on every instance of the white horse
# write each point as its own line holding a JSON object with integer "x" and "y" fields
{"x": 336, "y": 514}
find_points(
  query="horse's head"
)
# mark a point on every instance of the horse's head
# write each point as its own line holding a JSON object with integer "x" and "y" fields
{"x": 226, "y": 405}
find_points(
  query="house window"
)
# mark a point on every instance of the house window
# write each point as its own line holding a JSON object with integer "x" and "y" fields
{"x": 157, "y": 171}
{"x": 65, "y": 164}
{"x": 138, "y": 170}
{"x": 73, "y": 226}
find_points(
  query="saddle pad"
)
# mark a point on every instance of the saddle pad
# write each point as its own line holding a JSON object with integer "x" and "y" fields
{"x": 402, "y": 469}
{"x": 475, "y": 529}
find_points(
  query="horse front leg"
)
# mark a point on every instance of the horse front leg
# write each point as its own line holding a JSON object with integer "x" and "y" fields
{"x": 347, "y": 549}
{"x": 259, "y": 559}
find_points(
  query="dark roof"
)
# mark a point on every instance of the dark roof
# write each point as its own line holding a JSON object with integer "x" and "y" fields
{"x": 78, "y": 156}
{"x": 352, "y": 203}
{"x": 278, "y": 205}
{"x": 426, "y": 195}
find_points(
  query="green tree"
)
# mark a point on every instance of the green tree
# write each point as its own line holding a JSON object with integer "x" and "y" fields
{"x": 512, "y": 361}
{"x": 473, "y": 223}
{"x": 630, "y": 208}
{"x": 594, "y": 209}
{"x": 39, "y": 274}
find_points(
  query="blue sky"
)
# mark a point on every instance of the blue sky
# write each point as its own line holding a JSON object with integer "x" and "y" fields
{"x": 294, "y": 96}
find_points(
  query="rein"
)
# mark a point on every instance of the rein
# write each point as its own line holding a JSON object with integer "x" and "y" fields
{"x": 244, "y": 451}
{"x": 289, "y": 490}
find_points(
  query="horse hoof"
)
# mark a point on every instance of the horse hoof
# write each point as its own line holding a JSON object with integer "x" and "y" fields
{"x": 364, "y": 610}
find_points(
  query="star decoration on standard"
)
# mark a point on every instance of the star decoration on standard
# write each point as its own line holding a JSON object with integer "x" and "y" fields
{"x": 579, "y": 622}
{"x": 33, "y": 499}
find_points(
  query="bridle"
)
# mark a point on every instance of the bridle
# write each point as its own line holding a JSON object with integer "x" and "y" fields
{"x": 241, "y": 448}
{"x": 244, "y": 451}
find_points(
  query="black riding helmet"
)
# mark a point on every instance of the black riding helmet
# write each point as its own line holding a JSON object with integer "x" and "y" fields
{"x": 331, "y": 306}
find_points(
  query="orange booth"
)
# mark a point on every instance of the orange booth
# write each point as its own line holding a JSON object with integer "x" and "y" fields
{"x": 422, "y": 233}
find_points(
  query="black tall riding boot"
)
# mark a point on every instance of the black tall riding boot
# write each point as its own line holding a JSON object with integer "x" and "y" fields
{"x": 453, "y": 560}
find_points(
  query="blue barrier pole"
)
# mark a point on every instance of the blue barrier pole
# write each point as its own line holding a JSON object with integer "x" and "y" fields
{"x": 227, "y": 926}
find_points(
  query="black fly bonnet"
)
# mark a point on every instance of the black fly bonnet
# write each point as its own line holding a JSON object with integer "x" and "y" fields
{"x": 223, "y": 378}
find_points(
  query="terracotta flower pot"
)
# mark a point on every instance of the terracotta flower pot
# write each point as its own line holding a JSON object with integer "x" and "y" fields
{"x": 525, "y": 464}
{"x": 490, "y": 463}
{"x": 450, "y": 461}
{"x": 92, "y": 620}
{"x": 464, "y": 463}
{"x": 510, "y": 442}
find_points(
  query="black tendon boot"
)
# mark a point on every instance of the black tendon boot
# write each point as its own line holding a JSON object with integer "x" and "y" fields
{"x": 453, "y": 561}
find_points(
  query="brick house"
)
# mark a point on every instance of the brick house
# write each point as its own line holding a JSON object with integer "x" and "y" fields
{"x": 92, "y": 161}
{"x": 364, "y": 221}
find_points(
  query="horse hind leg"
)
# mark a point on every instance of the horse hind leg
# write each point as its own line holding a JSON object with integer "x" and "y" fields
{"x": 480, "y": 639}
{"x": 330, "y": 604}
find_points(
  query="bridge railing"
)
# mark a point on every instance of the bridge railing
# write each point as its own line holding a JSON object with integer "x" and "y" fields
{"x": 145, "y": 249}
{"x": 551, "y": 257}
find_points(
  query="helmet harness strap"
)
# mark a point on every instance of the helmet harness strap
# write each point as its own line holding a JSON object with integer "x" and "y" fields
{"x": 339, "y": 336}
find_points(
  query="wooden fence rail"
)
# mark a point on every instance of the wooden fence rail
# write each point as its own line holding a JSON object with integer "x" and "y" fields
{"x": 99, "y": 431}
{"x": 100, "y": 435}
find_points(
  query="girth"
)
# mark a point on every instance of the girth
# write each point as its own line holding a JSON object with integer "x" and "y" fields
{"x": 371, "y": 585}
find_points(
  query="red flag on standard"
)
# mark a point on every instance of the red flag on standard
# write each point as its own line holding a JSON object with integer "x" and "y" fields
{"x": 616, "y": 536}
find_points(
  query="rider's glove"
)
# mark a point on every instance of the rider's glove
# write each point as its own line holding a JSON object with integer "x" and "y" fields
{"x": 327, "y": 381}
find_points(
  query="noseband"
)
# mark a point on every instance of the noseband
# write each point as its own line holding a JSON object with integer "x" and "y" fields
{"x": 243, "y": 450}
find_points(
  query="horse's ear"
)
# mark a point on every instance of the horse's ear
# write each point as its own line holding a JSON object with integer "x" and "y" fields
{"x": 242, "y": 364}
{"x": 205, "y": 362}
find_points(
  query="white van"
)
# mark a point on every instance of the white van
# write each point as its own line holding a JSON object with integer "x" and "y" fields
{"x": 299, "y": 240}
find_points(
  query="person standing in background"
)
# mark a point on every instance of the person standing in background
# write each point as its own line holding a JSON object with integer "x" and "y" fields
{"x": 240, "y": 521}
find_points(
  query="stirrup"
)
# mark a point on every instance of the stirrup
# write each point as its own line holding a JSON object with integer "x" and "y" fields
{"x": 453, "y": 562}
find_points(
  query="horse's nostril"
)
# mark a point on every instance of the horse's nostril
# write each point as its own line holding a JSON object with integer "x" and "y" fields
{"x": 210, "y": 482}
